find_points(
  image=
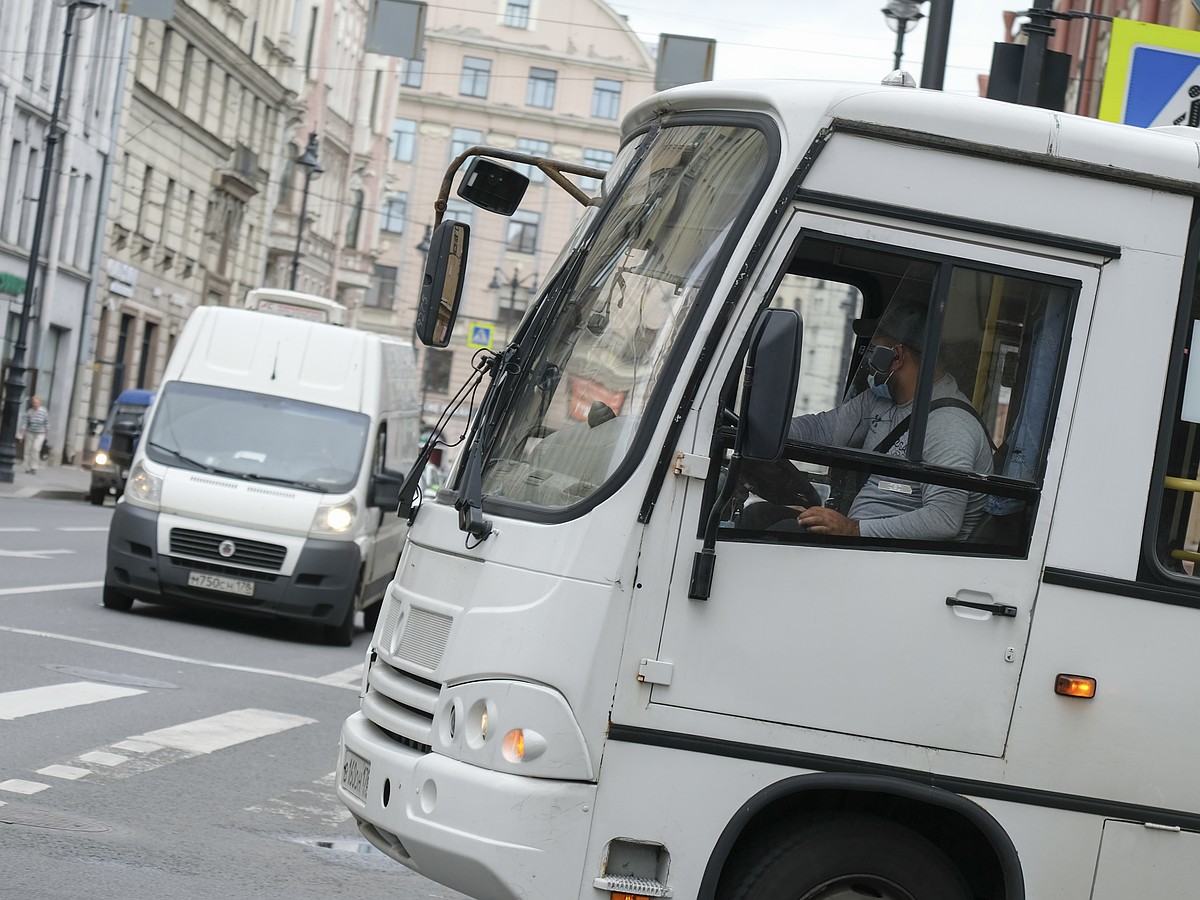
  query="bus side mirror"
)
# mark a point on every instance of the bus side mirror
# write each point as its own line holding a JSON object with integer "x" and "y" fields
{"x": 769, "y": 386}
{"x": 493, "y": 187}
{"x": 442, "y": 284}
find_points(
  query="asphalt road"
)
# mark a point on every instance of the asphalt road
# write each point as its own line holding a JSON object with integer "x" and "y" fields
{"x": 166, "y": 753}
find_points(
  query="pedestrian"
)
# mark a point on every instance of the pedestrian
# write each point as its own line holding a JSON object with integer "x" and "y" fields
{"x": 35, "y": 427}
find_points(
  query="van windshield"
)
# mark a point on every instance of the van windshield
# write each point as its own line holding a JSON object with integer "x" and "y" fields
{"x": 258, "y": 437}
{"x": 604, "y": 357}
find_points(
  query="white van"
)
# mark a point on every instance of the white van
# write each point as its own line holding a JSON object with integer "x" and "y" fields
{"x": 601, "y": 675}
{"x": 267, "y": 476}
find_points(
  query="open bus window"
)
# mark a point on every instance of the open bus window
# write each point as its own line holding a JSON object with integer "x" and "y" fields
{"x": 923, "y": 404}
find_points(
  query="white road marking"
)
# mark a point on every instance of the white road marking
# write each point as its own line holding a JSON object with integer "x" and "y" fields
{"x": 137, "y": 746}
{"x": 69, "y": 773}
{"x": 47, "y": 588}
{"x": 34, "y": 554}
{"x": 224, "y": 730}
{"x": 17, "y": 786}
{"x": 15, "y": 704}
{"x": 100, "y": 758}
{"x": 82, "y": 528}
{"x": 352, "y": 675}
{"x": 17, "y": 530}
{"x": 308, "y": 679}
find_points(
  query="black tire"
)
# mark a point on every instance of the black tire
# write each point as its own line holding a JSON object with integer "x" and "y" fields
{"x": 96, "y": 498}
{"x": 114, "y": 599}
{"x": 846, "y": 857}
{"x": 371, "y": 615}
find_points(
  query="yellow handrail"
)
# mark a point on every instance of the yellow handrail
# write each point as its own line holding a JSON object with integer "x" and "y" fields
{"x": 1191, "y": 555}
{"x": 1191, "y": 485}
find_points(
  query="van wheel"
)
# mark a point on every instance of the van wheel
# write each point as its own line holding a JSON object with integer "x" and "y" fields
{"x": 342, "y": 634}
{"x": 114, "y": 599}
{"x": 96, "y": 498}
{"x": 847, "y": 857}
{"x": 371, "y": 615}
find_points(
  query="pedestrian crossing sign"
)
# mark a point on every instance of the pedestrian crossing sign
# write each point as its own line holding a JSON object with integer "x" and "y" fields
{"x": 479, "y": 335}
{"x": 1152, "y": 77}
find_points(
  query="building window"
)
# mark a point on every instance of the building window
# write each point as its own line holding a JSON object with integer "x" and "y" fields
{"x": 606, "y": 99}
{"x": 382, "y": 293}
{"x": 414, "y": 71}
{"x": 522, "y": 232}
{"x": 355, "y": 218}
{"x": 146, "y": 360}
{"x": 462, "y": 139}
{"x": 395, "y": 210}
{"x": 287, "y": 180}
{"x": 534, "y": 148}
{"x": 476, "y": 73}
{"x": 516, "y": 13}
{"x": 540, "y": 90}
{"x": 597, "y": 159}
{"x": 404, "y": 134}
{"x": 438, "y": 364}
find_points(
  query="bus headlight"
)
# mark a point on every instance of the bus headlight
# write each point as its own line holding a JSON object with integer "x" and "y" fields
{"x": 512, "y": 726}
{"x": 144, "y": 487}
{"x": 336, "y": 518}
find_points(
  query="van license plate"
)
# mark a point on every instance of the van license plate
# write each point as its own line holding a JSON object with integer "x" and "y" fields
{"x": 356, "y": 774}
{"x": 218, "y": 583}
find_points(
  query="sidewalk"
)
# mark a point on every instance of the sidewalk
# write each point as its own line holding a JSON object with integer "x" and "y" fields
{"x": 50, "y": 482}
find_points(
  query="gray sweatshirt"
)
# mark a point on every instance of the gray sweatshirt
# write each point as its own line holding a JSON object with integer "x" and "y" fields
{"x": 891, "y": 507}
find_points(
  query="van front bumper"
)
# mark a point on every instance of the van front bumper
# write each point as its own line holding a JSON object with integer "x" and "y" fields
{"x": 484, "y": 833}
{"x": 320, "y": 588}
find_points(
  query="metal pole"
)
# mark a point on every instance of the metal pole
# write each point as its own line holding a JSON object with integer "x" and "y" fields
{"x": 937, "y": 39}
{"x": 1033, "y": 65}
{"x": 300, "y": 228}
{"x": 14, "y": 385}
{"x": 899, "y": 54}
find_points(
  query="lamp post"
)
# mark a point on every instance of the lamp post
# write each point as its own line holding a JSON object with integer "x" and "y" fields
{"x": 514, "y": 281}
{"x": 312, "y": 169}
{"x": 902, "y": 17}
{"x": 14, "y": 385}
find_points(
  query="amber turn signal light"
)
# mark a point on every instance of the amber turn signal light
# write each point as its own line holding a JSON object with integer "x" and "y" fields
{"x": 1075, "y": 686}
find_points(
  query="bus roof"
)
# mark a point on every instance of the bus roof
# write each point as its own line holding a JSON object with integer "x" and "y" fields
{"x": 1167, "y": 156}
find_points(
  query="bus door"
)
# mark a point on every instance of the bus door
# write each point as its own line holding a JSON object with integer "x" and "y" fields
{"x": 914, "y": 630}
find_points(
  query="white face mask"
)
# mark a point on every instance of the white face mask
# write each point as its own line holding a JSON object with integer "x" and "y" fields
{"x": 880, "y": 388}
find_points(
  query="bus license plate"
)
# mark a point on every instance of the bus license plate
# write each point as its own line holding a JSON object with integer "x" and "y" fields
{"x": 218, "y": 583}
{"x": 356, "y": 774}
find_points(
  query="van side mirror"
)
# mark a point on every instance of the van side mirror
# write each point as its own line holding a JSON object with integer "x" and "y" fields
{"x": 384, "y": 490}
{"x": 769, "y": 386}
{"x": 493, "y": 187}
{"x": 442, "y": 284}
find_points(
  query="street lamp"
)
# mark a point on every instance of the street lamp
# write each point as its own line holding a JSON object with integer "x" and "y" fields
{"x": 424, "y": 245}
{"x": 14, "y": 385}
{"x": 312, "y": 169}
{"x": 514, "y": 281}
{"x": 902, "y": 17}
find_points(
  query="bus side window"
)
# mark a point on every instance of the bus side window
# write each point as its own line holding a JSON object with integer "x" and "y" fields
{"x": 974, "y": 362}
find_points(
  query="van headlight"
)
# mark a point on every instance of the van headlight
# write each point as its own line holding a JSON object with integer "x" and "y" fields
{"x": 335, "y": 518}
{"x": 144, "y": 487}
{"x": 101, "y": 458}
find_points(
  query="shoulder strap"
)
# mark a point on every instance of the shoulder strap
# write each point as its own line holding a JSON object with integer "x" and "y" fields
{"x": 902, "y": 426}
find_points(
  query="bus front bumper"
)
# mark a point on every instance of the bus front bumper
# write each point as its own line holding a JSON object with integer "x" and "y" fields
{"x": 484, "y": 833}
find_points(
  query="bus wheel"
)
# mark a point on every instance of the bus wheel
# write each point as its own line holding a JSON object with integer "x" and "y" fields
{"x": 114, "y": 599}
{"x": 845, "y": 858}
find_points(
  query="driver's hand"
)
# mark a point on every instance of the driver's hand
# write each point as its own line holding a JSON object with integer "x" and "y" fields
{"x": 822, "y": 520}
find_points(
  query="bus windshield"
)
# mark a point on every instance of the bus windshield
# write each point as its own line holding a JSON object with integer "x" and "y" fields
{"x": 601, "y": 360}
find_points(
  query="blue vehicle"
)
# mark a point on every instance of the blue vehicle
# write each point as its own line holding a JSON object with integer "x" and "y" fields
{"x": 110, "y": 466}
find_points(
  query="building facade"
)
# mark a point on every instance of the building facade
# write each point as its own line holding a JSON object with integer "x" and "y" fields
{"x": 58, "y": 327}
{"x": 525, "y": 75}
{"x": 208, "y": 98}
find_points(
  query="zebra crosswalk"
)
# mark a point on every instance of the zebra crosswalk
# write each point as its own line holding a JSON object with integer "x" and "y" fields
{"x": 172, "y": 743}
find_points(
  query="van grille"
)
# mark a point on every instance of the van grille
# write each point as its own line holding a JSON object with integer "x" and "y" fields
{"x": 204, "y": 545}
